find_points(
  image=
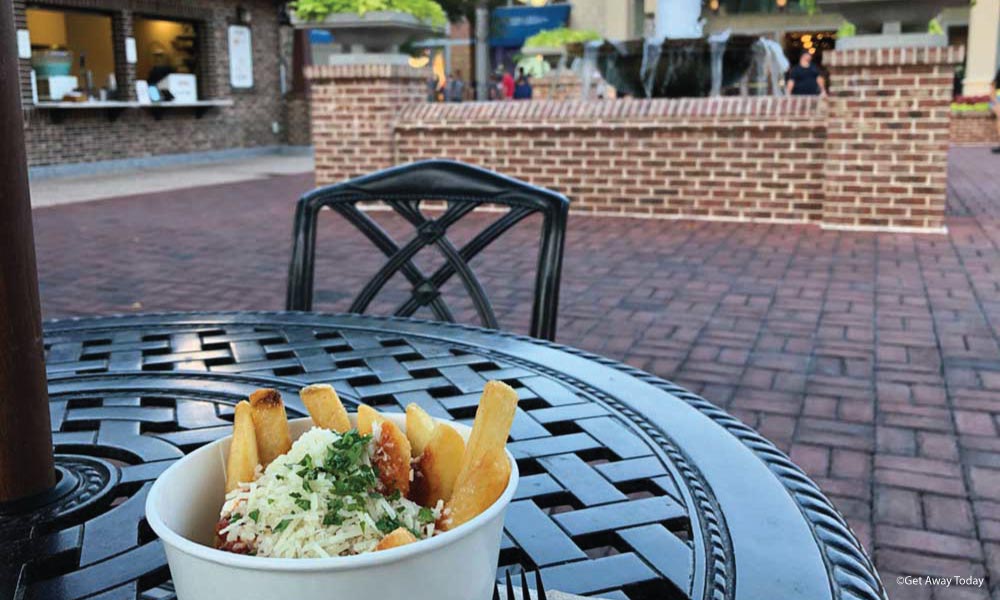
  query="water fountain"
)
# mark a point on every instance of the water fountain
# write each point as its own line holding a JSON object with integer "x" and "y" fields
{"x": 678, "y": 60}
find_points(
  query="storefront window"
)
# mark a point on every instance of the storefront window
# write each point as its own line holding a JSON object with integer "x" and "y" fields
{"x": 164, "y": 50}
{"x": 72, "y": 54}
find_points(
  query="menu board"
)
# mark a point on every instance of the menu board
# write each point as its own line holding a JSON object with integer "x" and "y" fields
{"x": 240, "y": 57}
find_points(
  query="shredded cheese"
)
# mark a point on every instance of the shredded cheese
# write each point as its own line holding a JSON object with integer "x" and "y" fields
{"x": 319, "y": 500}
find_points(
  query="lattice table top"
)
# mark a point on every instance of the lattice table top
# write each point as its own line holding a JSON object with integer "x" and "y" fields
{"x": 631, "y": 487}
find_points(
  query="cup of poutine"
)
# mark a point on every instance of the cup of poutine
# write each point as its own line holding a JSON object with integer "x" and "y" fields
{"x": 338, "y": 505}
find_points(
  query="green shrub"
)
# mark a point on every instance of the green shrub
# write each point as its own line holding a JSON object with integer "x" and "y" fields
{"x": 959, "y": 107}
{"x": 846, "y": 29}
{"x": 557, "y": 38}
{"x": 317, "y": 10}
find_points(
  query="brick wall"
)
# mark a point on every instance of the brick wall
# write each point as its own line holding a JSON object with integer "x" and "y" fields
{"x": 557, "y": 86}
{"x": 872, "y": 156}
{"x": 85, "y": 135}
{"x": 725, "y": 158}
{"x": 297, "y": 119}
{"x": 353, "y": 113}
{"x": 971, "y": 128}
{"x": 887, "y": 137}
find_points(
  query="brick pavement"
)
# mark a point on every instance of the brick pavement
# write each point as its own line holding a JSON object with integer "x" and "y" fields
{"x": 872, "y": 358}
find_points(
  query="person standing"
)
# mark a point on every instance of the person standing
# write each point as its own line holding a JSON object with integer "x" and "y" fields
{"x": 455, "y": 88}
{"x": 508, "y": 85}
{"x": 804, "y": 79}
{"x": 432, "y": 84}
{"x": 522, "y": 87}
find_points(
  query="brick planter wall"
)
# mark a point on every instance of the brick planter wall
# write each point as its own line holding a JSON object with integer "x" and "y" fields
{"x": 353, "y": 113}
{"x": 973, "y": 128}
{"x": 556, "y": 86}
{"x": 873, "y": 156}
{"x": 887, "y": 137}
{"x": 727, "y": 158}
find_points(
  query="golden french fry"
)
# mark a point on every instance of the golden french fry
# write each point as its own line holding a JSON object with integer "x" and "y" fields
{"x": 419, "y": 428}
{"x": 437, "y": 467}
{"x": 367, "y": 416}
{"x": 392, "y": 459}
{"x": 494, "y": 418}
{"x": 486, "y": 480}
{"x": 325, "y": 407}
{"x": 242, "y": 462}
{"x": 270, "y": 425}
{"x": 399, "y": 537}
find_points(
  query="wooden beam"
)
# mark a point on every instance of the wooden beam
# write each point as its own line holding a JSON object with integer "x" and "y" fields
{"x": 26, "y": 463}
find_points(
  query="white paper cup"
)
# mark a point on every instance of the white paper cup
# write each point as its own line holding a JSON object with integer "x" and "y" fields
{"x": 183, "y": 508}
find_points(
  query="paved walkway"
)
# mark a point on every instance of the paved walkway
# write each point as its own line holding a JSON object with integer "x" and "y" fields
{"x": 874, "y": 359}
{"x": 123, "y": 181}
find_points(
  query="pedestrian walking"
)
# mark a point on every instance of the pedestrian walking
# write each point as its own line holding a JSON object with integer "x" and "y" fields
{"x": 804, "y": 79}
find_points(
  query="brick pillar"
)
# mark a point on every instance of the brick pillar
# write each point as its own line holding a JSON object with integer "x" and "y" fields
{"x": 353, "y": 110}
{"x": 887, "y": 137}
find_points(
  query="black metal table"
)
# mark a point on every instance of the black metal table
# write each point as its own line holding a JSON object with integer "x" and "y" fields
{"x": 631, "y": 486}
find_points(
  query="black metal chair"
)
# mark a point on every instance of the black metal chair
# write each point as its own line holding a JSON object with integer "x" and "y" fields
{"x": 463, "y": 187}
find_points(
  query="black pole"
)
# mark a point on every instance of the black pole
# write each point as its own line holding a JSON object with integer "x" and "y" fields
{"x": 26, "y": 462}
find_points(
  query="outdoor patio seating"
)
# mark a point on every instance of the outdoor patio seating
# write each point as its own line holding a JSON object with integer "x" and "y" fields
{"x": 462, "y": 188}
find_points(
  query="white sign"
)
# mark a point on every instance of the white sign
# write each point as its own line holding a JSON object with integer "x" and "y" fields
{"x": 142, "y": 92}
{"x": 23, "y": 43}
{"x": 240, "y": 57}
{"x": 131, "y": 56}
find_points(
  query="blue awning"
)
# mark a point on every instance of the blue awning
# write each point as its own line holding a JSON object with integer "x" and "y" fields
{"x": 511, "y": 25}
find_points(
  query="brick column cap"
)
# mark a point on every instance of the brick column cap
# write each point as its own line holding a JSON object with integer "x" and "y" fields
{"x": 887, "y": 57}
{"x": 318, "y": 73}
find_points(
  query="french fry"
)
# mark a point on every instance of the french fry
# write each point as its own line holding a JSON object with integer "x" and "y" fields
{"x": 399, "y": 537}
{"x": 325, "y": 407}
{"x": 392, "y": 459}
{"x": 242, "y": 462}
{"x": 494, "y": 418}
{"x": 367, "y": 416}
{"x": 485, "y": 481}
{"x": 270, "y": 425}
{"x": 437, "y": 467}
{"x": 419, "y": 428}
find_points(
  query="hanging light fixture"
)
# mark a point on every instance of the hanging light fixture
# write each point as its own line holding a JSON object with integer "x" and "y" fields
{"x": 781, "y": 4}
{"x": 713, "y": 5}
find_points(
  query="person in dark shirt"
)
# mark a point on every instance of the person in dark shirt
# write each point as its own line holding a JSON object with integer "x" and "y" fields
{"x": 995, "y": 105}
{"x": 522, "y": 87}
{"x": 804, "y": 79}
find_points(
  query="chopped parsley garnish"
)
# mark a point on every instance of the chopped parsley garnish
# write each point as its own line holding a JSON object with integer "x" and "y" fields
{"x": 387, "y": 524}
{"x": 254, "y": 515}
{"x": 282, "y": 526}
{"x": 235, "y": 517}
{"x": 425, "y": 515}
{"x": 303, "y": 504}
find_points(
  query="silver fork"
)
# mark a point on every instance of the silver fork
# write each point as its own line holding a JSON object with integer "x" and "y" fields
{"x": 525, "y": 593}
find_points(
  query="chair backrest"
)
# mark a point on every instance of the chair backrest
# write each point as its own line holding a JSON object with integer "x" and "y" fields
{"x": 462, "y": 187}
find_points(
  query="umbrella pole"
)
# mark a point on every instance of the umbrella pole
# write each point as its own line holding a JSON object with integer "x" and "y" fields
{"x": 26, "y": 461}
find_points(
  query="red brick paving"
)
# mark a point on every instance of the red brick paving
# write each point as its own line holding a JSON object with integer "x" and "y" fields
{"x": 874, "y": 359}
